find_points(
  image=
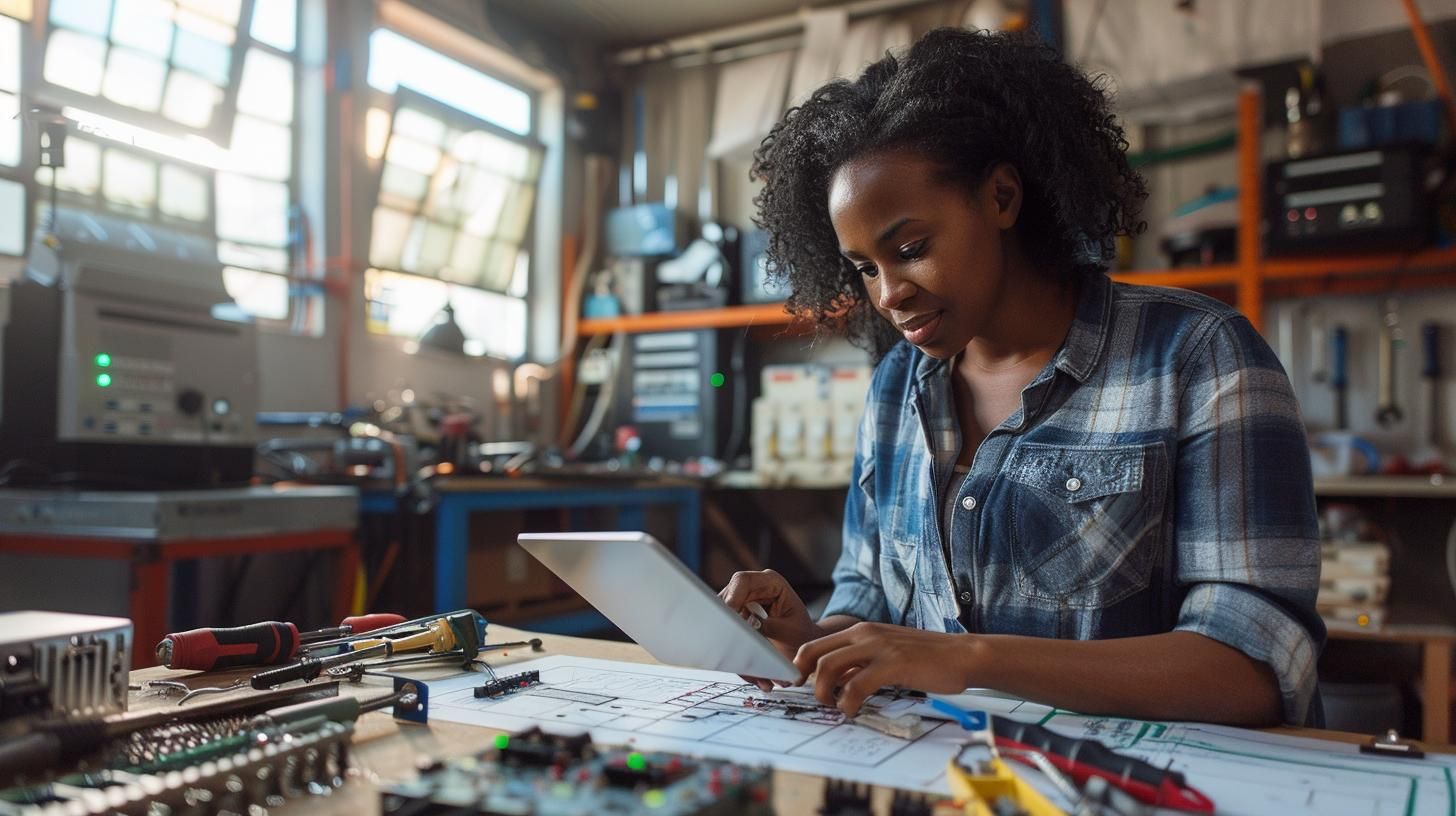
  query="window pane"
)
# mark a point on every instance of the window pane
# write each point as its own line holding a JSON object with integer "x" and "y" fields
{"x": 134, "y": 79}
{"x": 184, "y": 193}
{"x": 89, "y": 16}
{"x": 223, "y": 11}
{"x": 496, "y": 323}
{"x": 500, "y": 266}
{"x": 466, "y": 260}
{"x": 266, "y": 89}
{"x": 386, "y": 239}
{"x": 205, "y": 56}
{"x": 144, "y": 25}
{"x": 412, "y": 123}
{"x": 507, "y": 158}
{"x": 9, "y": 130}
{"x": 403, "y": 305}
{"x": 376, "y": 132}
{"x": 434, "y": 252}
{"x": 190, "y": 99}
{"x": 9, "y": 55}
{"x": 395, "y": 60}
{"x": 402, "y": 188}
{"x": 275, "y": 23}
{"x": 82, "y": 173}
{"x": 75, "y": 61}
{"x": 262, "y": 148}
{"x": 128, "y": 180}
{"x": 19, "y": 9}
{"x": 252, "y": 257}
{"x": 251, "y": 210}
{"x": 482, "y": 197}
{"x": 521, "y": 280}
{"x": 12, "y": 217}
{"x": 412, "y": 154}
{"x": 258, "y": 293}
{"x": 517, "y": 213}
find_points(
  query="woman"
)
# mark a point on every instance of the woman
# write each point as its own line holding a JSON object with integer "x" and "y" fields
{"x": 1088, "y": 494}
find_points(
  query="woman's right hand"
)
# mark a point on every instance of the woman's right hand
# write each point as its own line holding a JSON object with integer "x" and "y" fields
{"x": 788, "y": 625}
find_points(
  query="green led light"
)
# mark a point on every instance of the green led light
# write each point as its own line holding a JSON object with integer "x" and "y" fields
{"x": 654, "y": 798}
{"x": 103, "y": 360}
{"x": 103, "y": 380}
{"x": 501, "y": 741}
{"x": 636, "y": 762}
{"x": 717, "y": 379}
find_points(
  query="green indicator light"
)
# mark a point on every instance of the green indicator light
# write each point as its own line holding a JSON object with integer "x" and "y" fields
{"x": 103, "y": 360}
{"x": 654, "y": 798}
{"x": 717, "y": 379}
{"x": 636, "y": 762}
{"x": 501, "y": 741}
{"x": 103, "y": 380}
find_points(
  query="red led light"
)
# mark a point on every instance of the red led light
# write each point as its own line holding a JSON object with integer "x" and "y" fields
{"x": 1293, "y": 215}
{"x": 1310, "y": 213}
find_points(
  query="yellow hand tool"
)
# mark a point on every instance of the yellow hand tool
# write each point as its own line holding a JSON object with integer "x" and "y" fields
{"x": 978, "y": 775}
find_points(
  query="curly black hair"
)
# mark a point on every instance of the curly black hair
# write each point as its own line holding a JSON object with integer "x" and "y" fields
{"x": 967, "y": 100}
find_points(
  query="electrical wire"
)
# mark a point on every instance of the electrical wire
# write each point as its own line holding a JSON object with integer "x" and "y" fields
{"x": 603, "y": 401}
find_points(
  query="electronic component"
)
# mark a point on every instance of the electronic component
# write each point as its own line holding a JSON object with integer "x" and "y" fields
{"x": 671, "y": 396}
{"x": 843, "y": 798}
{"x": 508, "y": 685}
{"x": 125, "y": 360}
{"x": 806, "y": 422}
{"x": 201, "y": 768}
{"x": 56, "y": 663}
{"x": 1362, "y": 201}
{"x": 534, "y": 772}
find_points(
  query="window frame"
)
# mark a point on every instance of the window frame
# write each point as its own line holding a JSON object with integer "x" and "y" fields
{"x": 405, "y": 95}
{"x": 219, "y": 131}
{"x": 23, "y": 173}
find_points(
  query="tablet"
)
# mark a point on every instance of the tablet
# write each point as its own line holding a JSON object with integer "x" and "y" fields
{"x": 653, "y": 597}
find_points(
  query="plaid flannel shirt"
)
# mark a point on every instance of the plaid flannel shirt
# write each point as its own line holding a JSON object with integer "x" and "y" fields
{"x": 1155, "y": 478}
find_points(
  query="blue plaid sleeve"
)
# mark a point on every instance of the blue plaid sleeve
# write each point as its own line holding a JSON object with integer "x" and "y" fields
{"x": 1247, "y": 535}
{"x": 857, "y": 589}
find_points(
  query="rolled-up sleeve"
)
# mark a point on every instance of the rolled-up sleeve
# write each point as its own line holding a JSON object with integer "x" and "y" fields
{"x": 857, "y": 589}
{"x": 1247, "y": 532}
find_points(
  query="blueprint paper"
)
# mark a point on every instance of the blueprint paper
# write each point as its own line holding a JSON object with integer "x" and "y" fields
{"x": 714, "y": 714}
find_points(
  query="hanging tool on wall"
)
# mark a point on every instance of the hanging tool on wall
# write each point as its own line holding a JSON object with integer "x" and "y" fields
{"x": 258, "y": 644}
{"x": 1392, "y": 340}
{"x": 1340, "y": 377}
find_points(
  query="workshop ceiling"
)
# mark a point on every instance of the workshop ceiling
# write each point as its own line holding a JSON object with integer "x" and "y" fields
{"x": 625, "y": 23}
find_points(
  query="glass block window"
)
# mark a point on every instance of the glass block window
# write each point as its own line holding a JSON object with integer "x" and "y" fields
{"x": 395, "y": 61}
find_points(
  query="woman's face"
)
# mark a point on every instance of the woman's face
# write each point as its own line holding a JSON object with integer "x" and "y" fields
{"x": 931, "y": 253}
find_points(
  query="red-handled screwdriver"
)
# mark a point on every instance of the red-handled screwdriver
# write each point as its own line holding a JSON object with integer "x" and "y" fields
{"x": 259, "y": 644}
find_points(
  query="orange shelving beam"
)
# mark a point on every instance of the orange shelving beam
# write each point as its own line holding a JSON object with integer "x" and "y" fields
{"x": 1251, "y": 186}
{"x": 1432, "y": 61}
{"x": 1192, "y": 277}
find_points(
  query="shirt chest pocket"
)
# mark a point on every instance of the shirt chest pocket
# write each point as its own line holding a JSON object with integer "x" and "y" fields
{"x": 1087, "y": 523}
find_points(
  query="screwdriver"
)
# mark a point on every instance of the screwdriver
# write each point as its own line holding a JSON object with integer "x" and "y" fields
{"x": 258, "y": 644}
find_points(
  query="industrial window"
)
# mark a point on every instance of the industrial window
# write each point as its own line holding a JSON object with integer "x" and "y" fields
{"x": 458, "y": 169}
{"x": 12, "y": 187}
{"x": 157, "y": 88}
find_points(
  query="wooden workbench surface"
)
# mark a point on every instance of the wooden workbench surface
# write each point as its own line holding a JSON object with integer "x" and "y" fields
{"x": 385, "y": 751}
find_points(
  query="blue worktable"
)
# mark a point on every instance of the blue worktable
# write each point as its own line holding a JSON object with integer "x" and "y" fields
{"x": 456, "y": 499}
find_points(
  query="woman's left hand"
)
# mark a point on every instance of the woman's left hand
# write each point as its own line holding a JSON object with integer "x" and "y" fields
{"x": 850, "y": 666}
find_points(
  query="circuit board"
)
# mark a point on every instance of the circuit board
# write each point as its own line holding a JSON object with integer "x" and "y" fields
{"x": 538, "y": 774}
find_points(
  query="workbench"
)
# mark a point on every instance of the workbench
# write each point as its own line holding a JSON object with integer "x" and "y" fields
{"x": 456, "y": 498}
{"x": 386, "y": 751}
{"x": 153, "y": 532}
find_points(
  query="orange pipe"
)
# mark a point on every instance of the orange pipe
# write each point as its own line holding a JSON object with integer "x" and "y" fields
{"x": 1432, "y": 61}
{"x": 1250, "y": 273}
